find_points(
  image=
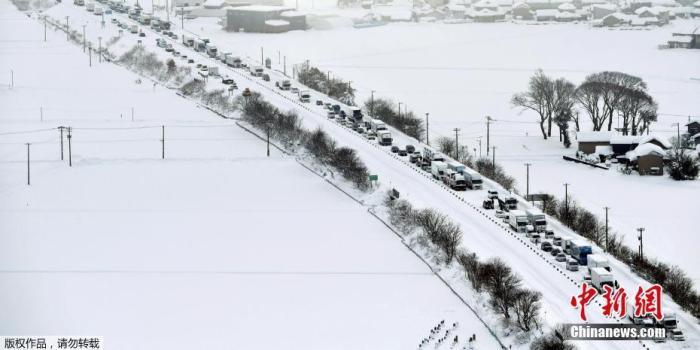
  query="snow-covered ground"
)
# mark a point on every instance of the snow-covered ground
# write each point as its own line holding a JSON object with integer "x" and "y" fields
{"x": 217, "y": 246}
{"x": 462, "y": 73}
{"x": 482, "y": 234}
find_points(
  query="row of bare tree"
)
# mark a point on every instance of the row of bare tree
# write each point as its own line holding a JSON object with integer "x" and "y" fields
{"x": 601, "y": 96}
{"x": 507, "y": 296}
{"x": 322, "y": 82}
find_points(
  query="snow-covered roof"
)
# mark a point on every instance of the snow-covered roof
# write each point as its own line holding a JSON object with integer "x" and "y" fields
{"x": 594, "y": 136}
{"x": 276, "y": 22}
{"x": 619, "y": 15}
{"x": 696, "y": 136}
{"x": 618, "y": 139}
{"x": 397, "y": 13}
{"x": 644, "y": 150}
{"x": 546, "y": 13}
{"x": 697, "y": 3}
{"x": 661, "y": 140}
{"x": 681, "y": 39}
{"x": 291, "y": 14}
{"x": 547, "y": 2}
{"x": 688, "y": 30}
{"x": 485, "y": 13}
{"x": 213, "y": 4}
{"x": 567, "y": 6}
{"x": 604, "y": 150}
{"x": 591, "y": 2}
{"x": 609, "y": 7}
{"x": 484, "y": 3}
{"x": 521, "y": 4}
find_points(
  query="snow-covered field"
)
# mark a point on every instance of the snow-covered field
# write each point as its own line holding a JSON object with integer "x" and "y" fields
{"x": 482, "y": 234}
{"x": 217, "y": 246}
{"x": 462, "y": 73}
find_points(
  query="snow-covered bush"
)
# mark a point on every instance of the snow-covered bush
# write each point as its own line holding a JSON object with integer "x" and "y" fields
{"x": 496, "y": 173}
{"x": 406, "y": 122}
{"x": 681, "y": 165}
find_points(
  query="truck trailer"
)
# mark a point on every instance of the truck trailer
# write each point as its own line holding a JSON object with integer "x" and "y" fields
{"x": 473, "y": 179}
{"x": 518, "y": 221}
{"x": 601, "y": 277}
{"x": 580, "y": 250}
{"x": 537, "y": 219}
{"x": 384, "y": 138}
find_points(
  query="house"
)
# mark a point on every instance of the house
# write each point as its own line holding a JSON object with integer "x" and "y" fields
{"x": 566, "y": 7}
{"x": 693, "y": 128}
{"x": 392, "y": 13}
{"x": 487, "y": 16}
{"x": 615, "y": 19}
{"x": 599, "y": 11}
{"x": 523, "y": 11}
{"x": 456, "y": 10}
{"x": 648, "y": 158}
{"x": 545, "y": 4}
{"x": 568, "y": 17}
{"x": 485, "y": 5}
{"x": 588, "y": 141}
{"x": 680, "y": 42}
{"x": 687, "y": 38}
{"x": 662, "y": 142}
{"x": 546, "y": 15}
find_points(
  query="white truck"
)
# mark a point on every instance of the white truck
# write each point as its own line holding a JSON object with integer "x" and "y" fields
{"x": 432, "y": 155}
{"x": 233, "y": 61}
{"x": 457, "y": 167}
{"x": 188, "y": 41}
{"x": 473, "y": 178}
{"x": 376, "y": 125}
{"x": 437, "y": 169}
{"x": 304, "y": 96}
{"x": 98, "y": 10}
{"x": 537, "y": 219}
{"x": 601, "y": 277}
{"x": 214, "y": 70}
{"x": 134, "y": 29}
{"x": 598, "y": 261}
{"x": 145, "y": 19}
{"x": 284, "y": 84}
{"x": 518, "y": 221}
{"x": 384, "y": 138}
{"x": 456, "y": 181}
{"x": 256, "y": 71}
{"x": 90, "y": 6}
{"x": 211, "y": 50}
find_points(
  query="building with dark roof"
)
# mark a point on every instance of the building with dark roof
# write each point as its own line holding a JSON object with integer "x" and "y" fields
{"x": 263, "y": 19}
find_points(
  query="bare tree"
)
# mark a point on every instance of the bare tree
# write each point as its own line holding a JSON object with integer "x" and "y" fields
{"x": 601, "y": 94}
{"x": 538, "y": 98}
{"x": 527, "y": 308}
{"x": 502, "y": 284}
{"x": 473, "y": 268}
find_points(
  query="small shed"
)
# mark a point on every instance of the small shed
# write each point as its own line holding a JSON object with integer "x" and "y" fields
{"x": 588, "y": 141}
{"x": 615, "y": 19}
{"x": 660, "y": 141}
{"x": 648, "y": 159}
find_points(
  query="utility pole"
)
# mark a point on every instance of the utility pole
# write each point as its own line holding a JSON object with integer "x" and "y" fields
{"x": 641, "y": 242}
{"x": 90, "y": 54}
{"x": 182, "y": 17}
{"x": 70, "y": 153}
{"x": 566, "y": 202}
{"x": 285, "y": 66}
{"x": 493, "y": 161}
{"x": 262, "y": 57}
{"x": 678, "y": 131}
{"x": 527, "y": 181}
{"x": 60, "y": 129}
{"x": 67, "y": 30}
{"x": 371, "y": 112}
{"x": 427, "y": 128}
{"x": 84, "y": 38}
{"x": 132, "y": 114}
{"x": 41, "y": 114}
{"x": 606, "y": 229}
{"x": 44, "y": 28}
{"x": 479, "y": 146}
{"x": 456, "y": 144}
{"x": 399, "y": 109}
{"x": 162, "y": 142}
{"x": 268, "y": 140}
{"x": 99, "y": 52}
{"x": 28, "y": 169}
{"x": 12, "y": 78}
{"x": 488, "y": 134}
